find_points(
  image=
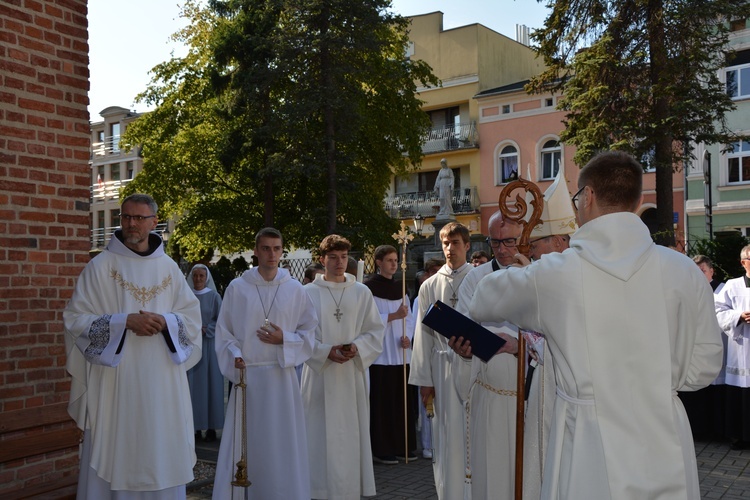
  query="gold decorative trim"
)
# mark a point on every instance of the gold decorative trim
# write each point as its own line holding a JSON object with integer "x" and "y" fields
{"x": 141, "y": 294}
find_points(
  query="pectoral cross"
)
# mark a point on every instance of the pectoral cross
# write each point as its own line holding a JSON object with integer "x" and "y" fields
{"x": 454, "y": 301}
{"x": 338, "y": 314}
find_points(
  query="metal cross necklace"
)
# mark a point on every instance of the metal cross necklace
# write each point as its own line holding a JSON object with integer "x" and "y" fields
{"x": 266, "y": 314}
{"x": 338, "y": 312}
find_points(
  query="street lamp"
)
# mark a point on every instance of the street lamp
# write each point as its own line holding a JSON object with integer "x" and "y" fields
{"x": 418, "y": 224}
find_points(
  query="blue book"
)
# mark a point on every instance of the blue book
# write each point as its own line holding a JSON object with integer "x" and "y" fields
{"x": 450, "y": 323}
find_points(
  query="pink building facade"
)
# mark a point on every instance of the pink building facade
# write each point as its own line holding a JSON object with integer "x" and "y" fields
{"x": 520, "y": 134}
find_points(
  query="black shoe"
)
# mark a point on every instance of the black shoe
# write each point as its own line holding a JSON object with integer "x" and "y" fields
{"x": 740, "y": 445}
{"x": 210, "y": 436}
{"x": 412, "y": 456}
{"x": 198, "y": 436}
{"x": 385, "y": 459}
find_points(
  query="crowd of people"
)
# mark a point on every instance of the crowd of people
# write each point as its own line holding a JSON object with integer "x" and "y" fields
{"x": 329, "y": 375}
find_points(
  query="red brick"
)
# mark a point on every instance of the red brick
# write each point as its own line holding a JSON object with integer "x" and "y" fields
{"x": 36, "y": 105}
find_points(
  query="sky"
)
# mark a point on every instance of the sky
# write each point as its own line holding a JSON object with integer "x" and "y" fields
{"x": 128, "y": 38}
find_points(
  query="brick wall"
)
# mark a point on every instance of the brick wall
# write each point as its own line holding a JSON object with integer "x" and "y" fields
{"x": 44, "y": 226}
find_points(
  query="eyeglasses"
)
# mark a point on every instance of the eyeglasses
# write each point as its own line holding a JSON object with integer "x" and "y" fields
{"x": 532, "y": 244}
{"x": 136, "y": 218}
{"x": 508, "y": 242}
{"x": 574, "y": 199}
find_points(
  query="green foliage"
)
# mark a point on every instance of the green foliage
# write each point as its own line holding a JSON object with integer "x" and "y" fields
{"x": 640, "y": 76}
{"x": 724, "y": 252}
{"x": 285, "y": 114}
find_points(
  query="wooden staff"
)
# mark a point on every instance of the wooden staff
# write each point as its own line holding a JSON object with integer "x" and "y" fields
{"x": 404, "y": 237}
{"x": 518, "y": 212}
{"x": 240, "y": 478}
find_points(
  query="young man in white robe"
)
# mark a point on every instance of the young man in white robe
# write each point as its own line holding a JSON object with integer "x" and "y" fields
{"x": 349, "y": 337}
{"x": 266, "y": 327}
{"x": 387, "y": 381}
{"x": 628, "y": 324}
{"x": 132, "y": 330}
{"x": 432, "y": 367}
{"x": 491, "y": 387}
{"x": 733, "y": 311}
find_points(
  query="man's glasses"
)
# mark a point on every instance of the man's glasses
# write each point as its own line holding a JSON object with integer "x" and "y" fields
{"x": 508, "y": 242}
{"x": 135, "y": 218}
{"x": 574, "y": 199}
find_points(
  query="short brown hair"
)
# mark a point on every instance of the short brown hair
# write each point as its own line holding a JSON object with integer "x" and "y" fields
{"x": 433, "y": 262}
{"x": 384, "y": 250}
{"x": 332, "y": 243}
{"x": 455, "y": 228}
{"x": 703, "y": 259}
{"x": 268, "y": 232}
{"x": 617, "y": 180}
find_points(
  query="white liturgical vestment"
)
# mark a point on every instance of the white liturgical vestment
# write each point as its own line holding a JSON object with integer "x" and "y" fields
{"x": 277, "y": 462}
{"x": 334, "y": 395}
{"x": 731, "y": 302}
{"x": 130, "y": 393}
{"x": 432, "y": 366}
{"x": 628, "y": 324}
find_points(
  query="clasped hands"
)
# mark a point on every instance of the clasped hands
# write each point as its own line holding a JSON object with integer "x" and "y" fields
{"x": 340, "y": 354}
{"x": 145, "y": 323}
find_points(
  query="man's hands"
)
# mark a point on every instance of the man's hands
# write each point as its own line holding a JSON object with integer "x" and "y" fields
{"x": 270, "y": 334}
{"x": 520, "y": 260}
{"x": 463, "y": 347}
{"x": 426, "y": 393}
{"x": 460, "y": 346}
{"x": 145, "y": 323}
{"x": 745, "y": 317}
{"x": 342, "y": 353}
{"x": 239, "y": 363}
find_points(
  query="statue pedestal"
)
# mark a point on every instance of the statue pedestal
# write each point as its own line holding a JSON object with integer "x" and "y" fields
{"x": 438, "y": 224}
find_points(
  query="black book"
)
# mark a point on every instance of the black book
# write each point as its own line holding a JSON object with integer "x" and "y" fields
{"x": 450, "y": 323}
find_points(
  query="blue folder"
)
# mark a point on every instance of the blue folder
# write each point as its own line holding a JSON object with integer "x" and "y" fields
{"x": 450, "y": 323}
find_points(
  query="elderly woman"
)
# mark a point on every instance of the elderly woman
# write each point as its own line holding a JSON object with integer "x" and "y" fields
{"x": 205, "y": 379}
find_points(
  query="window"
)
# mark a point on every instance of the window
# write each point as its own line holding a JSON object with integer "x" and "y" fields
{"x": 507, "y": 165}
{"x": 551, "y": 157}
{"x": 100, "y": 136}
{"x": 100, "y": 219}
{"x": 114, "y": 172}
{"x": 738, "y": 163}
{"x": 737, "y": 25}
{"x": 115, "y": 134}
{"x": 129, "y": 170}
{"x": 114, "y": 216}
{"x": 548, "y": 102}
{"x": 738, "y": 81}
{"x": 506, "y": 109}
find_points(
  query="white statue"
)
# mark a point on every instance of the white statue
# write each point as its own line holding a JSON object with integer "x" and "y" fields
{"x": 444, "y": 190}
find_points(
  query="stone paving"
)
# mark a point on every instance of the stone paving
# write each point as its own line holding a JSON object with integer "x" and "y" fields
{"x": 724, "y": 474}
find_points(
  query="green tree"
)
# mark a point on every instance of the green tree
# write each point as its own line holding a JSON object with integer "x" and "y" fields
{"x": 291, "y": 114}
{"x": 640, "y": 76}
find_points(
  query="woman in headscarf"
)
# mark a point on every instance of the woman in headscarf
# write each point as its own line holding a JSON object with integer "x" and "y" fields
{"x": 205, "y": 379}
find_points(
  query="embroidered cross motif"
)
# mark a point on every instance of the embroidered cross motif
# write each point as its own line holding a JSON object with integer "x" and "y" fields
{"x": 141, "y": 293}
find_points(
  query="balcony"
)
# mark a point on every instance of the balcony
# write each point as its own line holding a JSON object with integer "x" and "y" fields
{"x": 111, "y": 145}
{"x": 109, "y": 190}
{"x": 451, "y": 138}
{"x": 408, "y": 205}
{"x": 100, "y": 236}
